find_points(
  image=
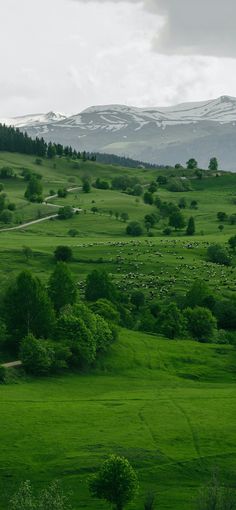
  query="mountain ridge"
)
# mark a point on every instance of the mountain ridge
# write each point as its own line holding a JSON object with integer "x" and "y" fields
{"x": 161, "y": 135}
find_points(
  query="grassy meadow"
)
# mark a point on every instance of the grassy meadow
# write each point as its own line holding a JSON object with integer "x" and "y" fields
{"x": 168, "y": 406}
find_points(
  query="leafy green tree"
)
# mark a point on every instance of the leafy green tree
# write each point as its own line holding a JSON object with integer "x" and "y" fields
{"x": 137, "y": 299}
{"x": 116, "y": 482}
{"x": 218, "y": 255}
{"x": 134, "y": 229}
{"x": 6, "y": 216}
{"x": 86, "y": 186}
{"x": 124, "y": 216}
{"x": 222, "y": 216}
{"x": 36, "y": 355}
{"x": 190, "y": 231}
{"x": 62, "y": 289}
{"x": 62, "y": 193}
{"x": 63, "y": 254}
{"x": 225, "y": 312}
{"x": 192, "y": 164}
{"x": 199, "y": 295}
{"x": 27, "y": 308}
{"x": 152, "y": 188}
{"x": 182, "y": 203}
{"x": 106, "y": 309}
{"x": 232, "y": 242}
{"x": 176, "y": 220}
{"x": 34, "y": 190}
{"x": 65, "y": 213}
{"x": 73, "y": 331}
{"x": 201, "y": 324}
{"x": 213, "y": 165}
{"x": 171, "y": 321}
{"x": 162, "y": 180}
{"x": 99, "y": 286}
{"x": 148, "y": 198}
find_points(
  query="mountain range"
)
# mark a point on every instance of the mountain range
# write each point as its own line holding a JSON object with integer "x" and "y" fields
{"x": 161, "y": 135}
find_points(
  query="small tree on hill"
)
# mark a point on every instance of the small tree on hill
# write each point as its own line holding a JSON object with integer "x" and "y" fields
{"x": 65, "y": 213}
{"x": 148, "y": 198}
{"x": 137, "y": 299}
{"x": 116, "y": 482}
{"x": 63, "y": 254}
{"x": 134, "y": 229}
{"x": 213, "y": 165}
{"x": 34, "y": 190}
{"x": 200, "y": 323}
{"x": 192, "y": 164}
{"x": 190, "y": 231}
{"x": 219, "y": 255}
{"x": 176, "y": 220}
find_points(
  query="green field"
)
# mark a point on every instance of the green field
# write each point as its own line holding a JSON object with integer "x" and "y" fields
{"x": 168, "y": 406}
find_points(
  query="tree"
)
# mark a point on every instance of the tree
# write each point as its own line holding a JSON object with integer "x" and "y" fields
{"x": 72, "y": 330}
{"x": 65, "y": 213}
{"x": 137, "y": 299}
{"x": 27, "y": 308}
{"x": 194, "y": 204}
{"x": 171, "y": 321}
{"x": 34, "y": 190}
{"x": 148, "y": 198}
{"x": 116, "y": 482}
{"x": 152, "y": 187}
{"x": 124, "y": 216}
{"x": 62, "y": 193}
{"x": 162, "y": 180}
{"x": 213, "y": 165}
{"x": 63, "y": 254}
{"x": 192, "y": 164}
{"x": 218, "y": 255}
{"x": 222, "y": 216}
{"x": 182, "y": 203}
{"x": 199, "y": 295}
{"x": 86, "y": 186}
{"x": 6, "y": 216}
{"x": 52, "y": 151}
{"x": 62, "y": 289}
{"x": 134, "y": 229}
{"x": 94, "y": 210}
{"x": 232, "y": 242}
{"x": 99, "y": 286}
{"x": 190, "y": 231}
{"x": 36, "y": 355}
{"x": 200, "y": 323}
{"x": 176, "y": 220}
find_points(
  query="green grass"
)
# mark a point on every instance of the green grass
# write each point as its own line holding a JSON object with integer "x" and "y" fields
{"x": 169, "y": 407}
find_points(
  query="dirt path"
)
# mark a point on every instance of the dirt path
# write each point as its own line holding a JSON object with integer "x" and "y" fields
{"x": 51, "y": 216}
{"x": 12, "y": 364}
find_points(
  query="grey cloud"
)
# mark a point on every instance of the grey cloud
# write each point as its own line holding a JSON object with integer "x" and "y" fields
{"x": 199, "y": 27}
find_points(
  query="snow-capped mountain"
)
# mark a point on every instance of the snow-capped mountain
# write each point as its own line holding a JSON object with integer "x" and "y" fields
{"x": 163, "y": 135}
{"x": 34, "y": 119}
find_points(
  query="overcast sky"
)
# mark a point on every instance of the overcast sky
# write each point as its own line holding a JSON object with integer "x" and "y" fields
{"x": 66, "y": 55}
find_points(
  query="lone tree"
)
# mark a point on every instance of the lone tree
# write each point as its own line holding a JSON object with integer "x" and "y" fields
{"x": 190, "y": 230}
{"x": 116, "y": 482}
{"x": 134, "y": 229}
{"x": 62, "y": 289}
{"x": 34, "y": 190}
{"x": 213, "y": 165}
{"x": 192, "y": 164}
{"x": 176, "y": 220}
{"x": 63, "y": 254}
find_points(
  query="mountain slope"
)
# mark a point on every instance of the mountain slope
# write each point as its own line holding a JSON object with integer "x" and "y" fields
{"x": 158, "y": 135}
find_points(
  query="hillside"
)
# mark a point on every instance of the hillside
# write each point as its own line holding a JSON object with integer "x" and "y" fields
{"x": 167, "y": 406}
{"x": 160, "y": 135}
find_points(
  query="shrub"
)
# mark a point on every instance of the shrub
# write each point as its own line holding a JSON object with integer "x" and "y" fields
{"x": 36, "y": 355}
{"x": 63, "y": 253}
{"x": 200, "y": 323}
{"x": 65, "y": 213}
{"x": 218, "y": 255}
{"x": 134, "y": 229}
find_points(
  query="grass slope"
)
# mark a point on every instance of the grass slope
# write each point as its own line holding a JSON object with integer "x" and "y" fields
{"x": 168, "y": 406}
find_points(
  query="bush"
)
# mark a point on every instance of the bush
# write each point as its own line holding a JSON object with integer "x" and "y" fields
{"x": 65, "y": 213}
{"x": 6, "y": 216}
{"x": 36, "y": 356}
{"x": 63, "y": 253}
{"x": 134, "y": 229}
{"x": 200, "y": 323}
{"x": 218, "y": 255}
